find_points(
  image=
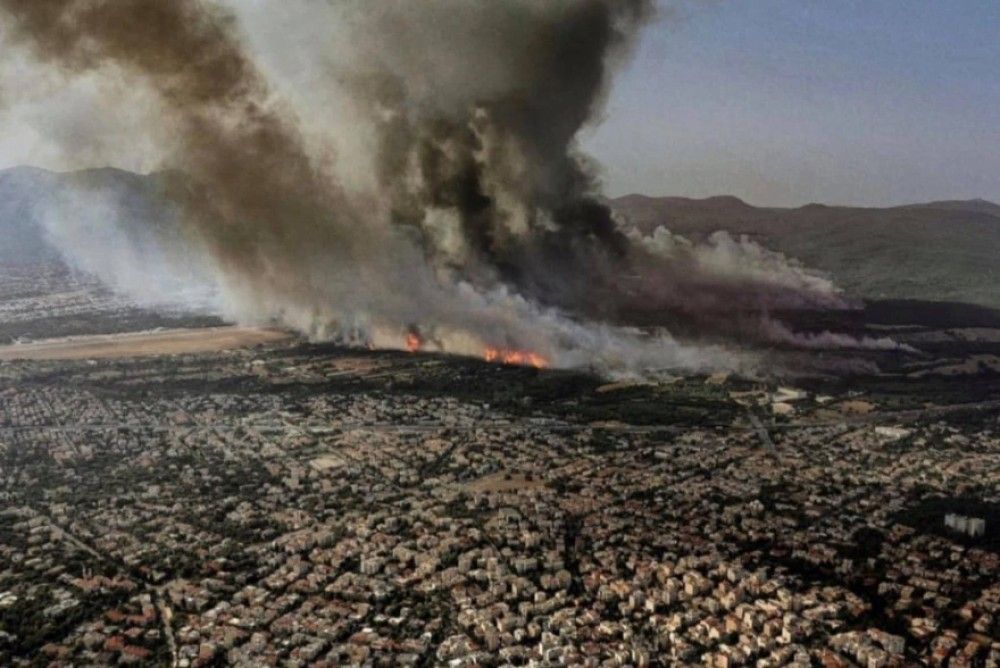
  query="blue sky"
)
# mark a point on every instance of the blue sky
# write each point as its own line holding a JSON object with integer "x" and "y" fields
{"x": 785, "y": 102}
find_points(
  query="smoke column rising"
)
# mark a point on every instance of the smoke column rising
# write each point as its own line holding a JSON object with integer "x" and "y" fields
{"x": 478, "y": 222}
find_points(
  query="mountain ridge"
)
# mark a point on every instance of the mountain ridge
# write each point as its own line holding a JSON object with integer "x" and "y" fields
{"x": 936, "y": 251}
{"x": 976, "y": 204}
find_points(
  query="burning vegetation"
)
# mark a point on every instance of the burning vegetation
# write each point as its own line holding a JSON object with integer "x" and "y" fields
{"x": 414, "y": 342}
{"x": 514, "y": 357}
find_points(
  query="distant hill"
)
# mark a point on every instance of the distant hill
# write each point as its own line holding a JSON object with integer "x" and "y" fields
{"x": 940, "y": 251}
{"x": 969, "y": 205}
{"x": 21, "y": 236}
{"x": 134, "y": 203}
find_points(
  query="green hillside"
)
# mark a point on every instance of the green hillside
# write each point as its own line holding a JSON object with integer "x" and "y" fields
{"x": 946, "y": 251}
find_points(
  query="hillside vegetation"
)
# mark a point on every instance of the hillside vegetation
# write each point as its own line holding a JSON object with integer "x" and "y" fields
{"x": 941, "y": 251}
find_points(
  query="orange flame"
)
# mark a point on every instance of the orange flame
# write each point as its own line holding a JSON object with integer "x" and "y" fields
{"x": 515, "y": 357}
{"x": 414, "y": 342}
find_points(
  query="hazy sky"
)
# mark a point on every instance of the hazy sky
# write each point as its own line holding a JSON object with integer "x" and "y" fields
{"x": 792, "y": 101}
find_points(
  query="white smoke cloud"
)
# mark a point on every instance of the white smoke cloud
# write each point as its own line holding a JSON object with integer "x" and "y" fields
{"x": 98, "y": 235}
{"x": 827, "y": 340}
{"x": 738, "y": 258}
{"x": 53, "y": 120}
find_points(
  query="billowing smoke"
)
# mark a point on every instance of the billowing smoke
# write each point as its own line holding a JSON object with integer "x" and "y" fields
{"x": 405, "y": 167}
{"x": 114, "y": 226}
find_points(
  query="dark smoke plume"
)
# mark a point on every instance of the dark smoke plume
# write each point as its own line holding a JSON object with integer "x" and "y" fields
{"x": 248, "y": 186}
{"x": 484, "y": 224}
{"x": 503, "y": 170}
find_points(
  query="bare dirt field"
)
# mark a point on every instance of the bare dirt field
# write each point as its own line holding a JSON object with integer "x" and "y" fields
{"x": 143, "y": 344}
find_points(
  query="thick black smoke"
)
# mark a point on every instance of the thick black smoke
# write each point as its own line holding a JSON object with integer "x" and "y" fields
{"x": 504, "y": 166}
{"x": 483, "y": 224}
{"x": 496, "y": 185}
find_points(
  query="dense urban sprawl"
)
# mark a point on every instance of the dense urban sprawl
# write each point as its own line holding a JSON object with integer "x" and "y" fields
{"x": 309, "y": 506}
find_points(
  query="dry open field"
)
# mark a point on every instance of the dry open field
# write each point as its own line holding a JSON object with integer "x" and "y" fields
{"x": 143, "y": 344}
